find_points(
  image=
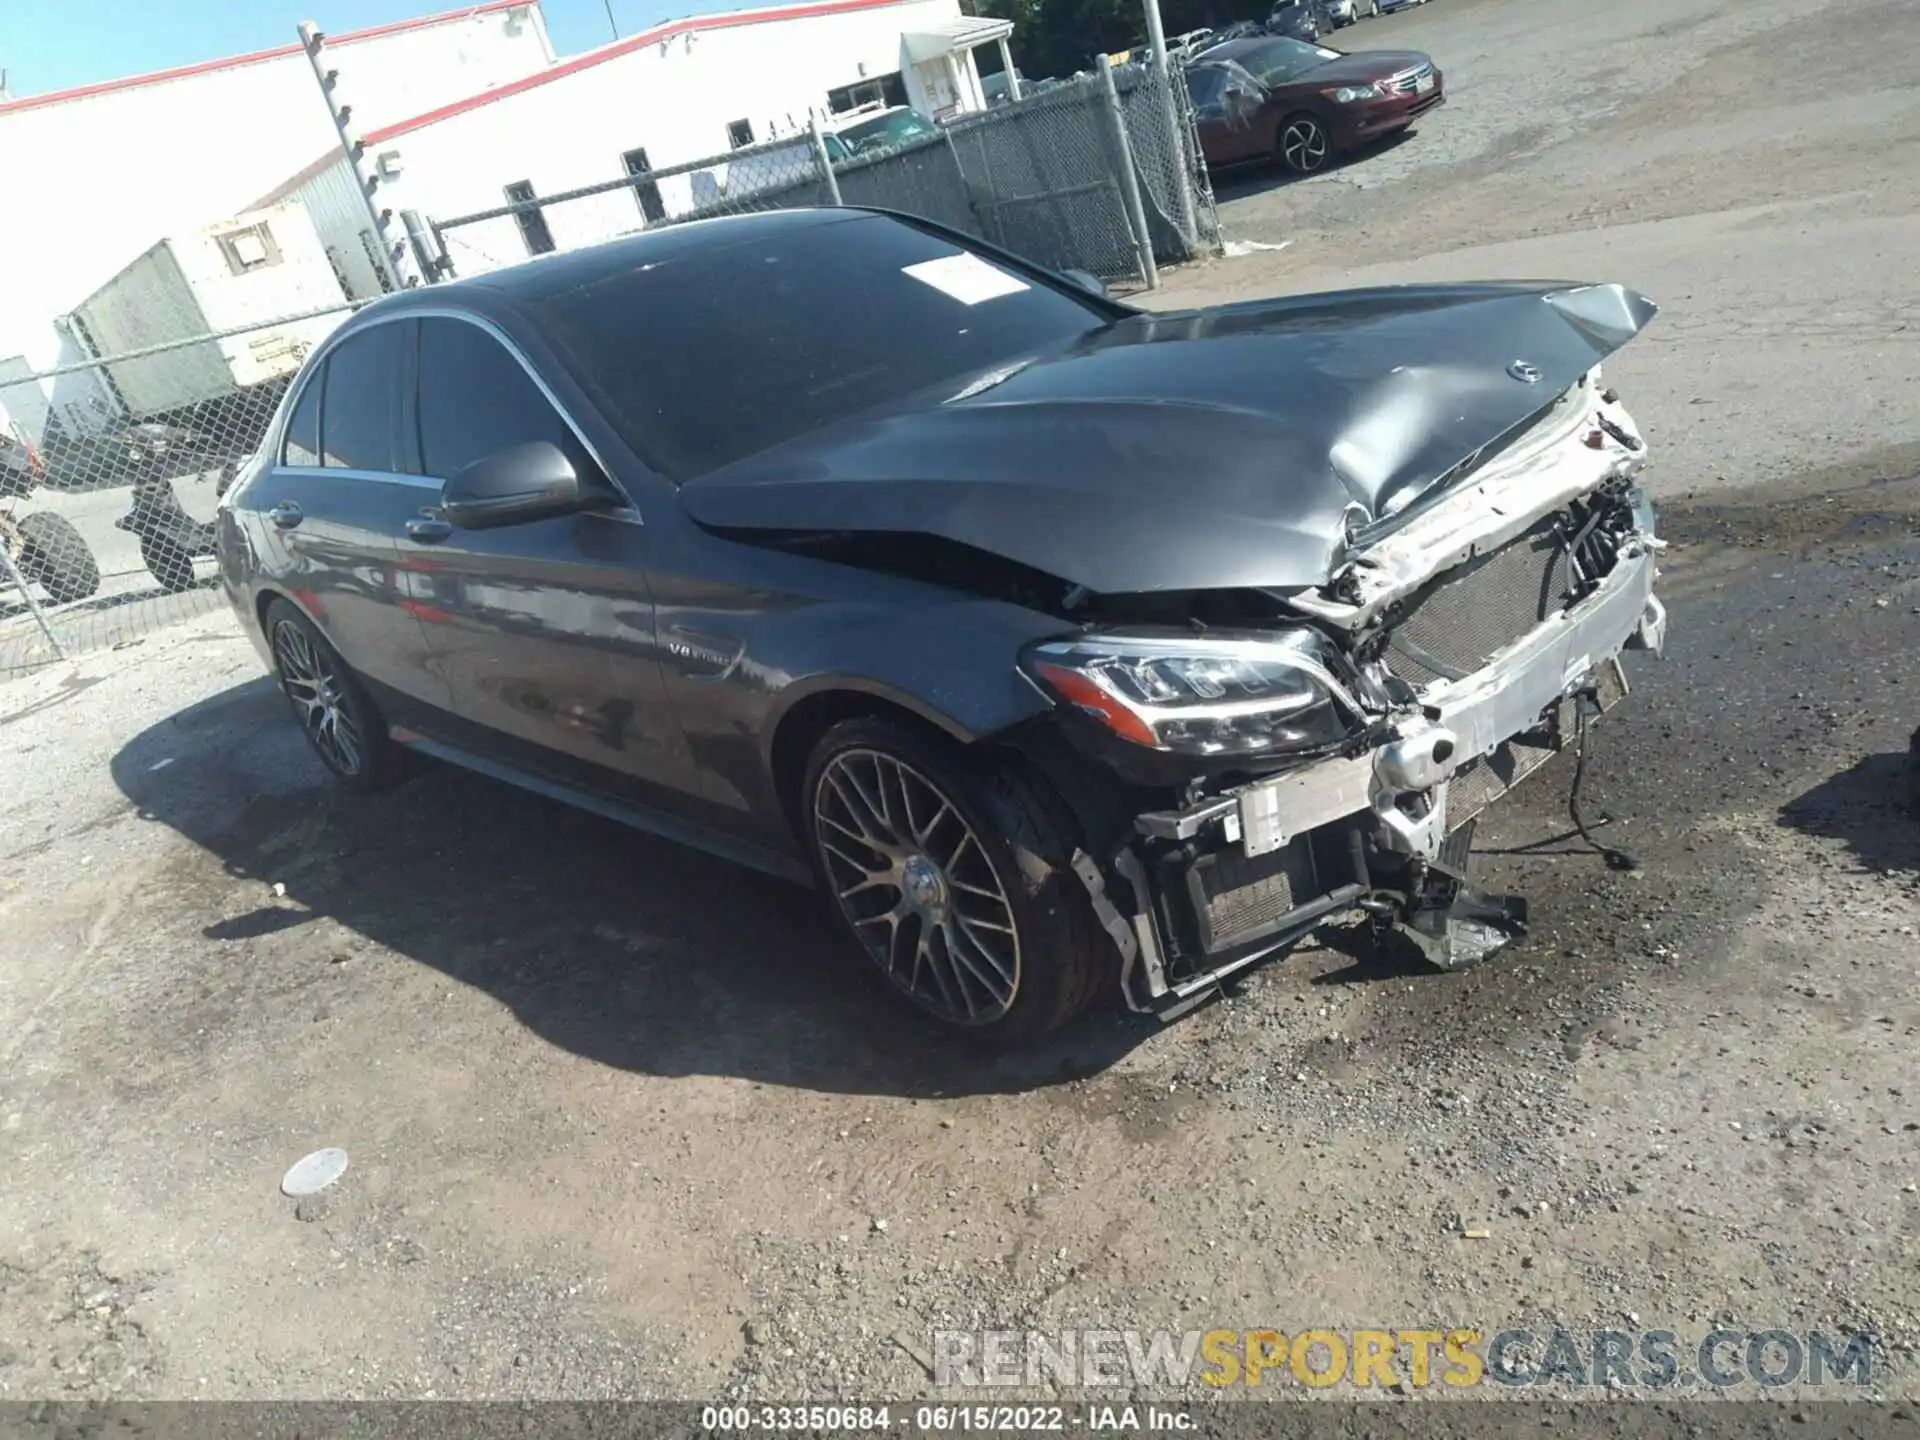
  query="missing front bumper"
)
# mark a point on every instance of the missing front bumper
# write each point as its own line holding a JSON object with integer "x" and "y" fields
{"x": 1214, "y": 888}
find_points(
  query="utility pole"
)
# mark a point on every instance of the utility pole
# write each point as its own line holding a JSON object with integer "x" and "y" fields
{"x": 386, "y": 249}
{"x": 1176, "y": 138}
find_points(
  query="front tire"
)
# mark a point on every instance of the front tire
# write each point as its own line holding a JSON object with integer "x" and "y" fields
{"x": 337, "y": 716}
{"x": 953, "y": 874}
{"x": 1304, "y": 146}
{"x": 53, "y": 553}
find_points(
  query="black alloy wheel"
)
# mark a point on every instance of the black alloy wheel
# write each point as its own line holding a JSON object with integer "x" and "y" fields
{"x": 954, "y": 876}
{"x": 338, "y": 719}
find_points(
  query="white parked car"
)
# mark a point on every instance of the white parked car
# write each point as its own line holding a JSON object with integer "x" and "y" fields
{"x": 1343, "y": 12}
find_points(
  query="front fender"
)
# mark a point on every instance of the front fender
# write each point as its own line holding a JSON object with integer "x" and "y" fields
{"x": 952, "y": 665}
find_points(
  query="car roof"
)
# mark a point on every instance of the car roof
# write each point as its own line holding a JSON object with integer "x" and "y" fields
{"x": 549, "y": 274}
{"x": 1234, "y": 49}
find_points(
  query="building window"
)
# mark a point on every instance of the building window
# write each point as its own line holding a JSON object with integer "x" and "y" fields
{"x": 884, "y": 91}
{"x": 253, "y": 248}
{"x": 532, "y": 223}
{"x": 647, "y": 193}
{"x": 739, "y": 133}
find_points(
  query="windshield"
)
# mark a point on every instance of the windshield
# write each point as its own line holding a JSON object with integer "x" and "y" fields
{"x": 1280, "y": 60}
{"x": 722, "y": 351}
{"x": 883, "y": 132}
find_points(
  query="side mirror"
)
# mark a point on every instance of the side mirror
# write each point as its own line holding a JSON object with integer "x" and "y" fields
{"x": 1087, "y": 281}
{"x": 510, "y": 487}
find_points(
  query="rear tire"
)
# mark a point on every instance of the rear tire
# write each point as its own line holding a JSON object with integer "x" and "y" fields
{"x": 952, "y": 872}
{"x": 52, "y": 552}
{"x": 170, "y": 566}
{"x": 338, "y": 717}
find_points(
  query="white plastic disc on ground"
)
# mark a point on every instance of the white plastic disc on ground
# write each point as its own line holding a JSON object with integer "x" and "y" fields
{"x": 315, "y": 1172}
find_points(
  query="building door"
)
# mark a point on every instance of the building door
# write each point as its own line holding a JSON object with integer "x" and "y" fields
{"x": 647, "y": 193}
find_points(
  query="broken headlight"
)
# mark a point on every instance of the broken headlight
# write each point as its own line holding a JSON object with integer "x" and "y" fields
{"x": 1270, "y": 694}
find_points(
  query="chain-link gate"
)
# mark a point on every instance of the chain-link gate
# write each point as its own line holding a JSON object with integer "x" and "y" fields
{"x": 1100, "y": 173}
{"x": 110, "y": 471}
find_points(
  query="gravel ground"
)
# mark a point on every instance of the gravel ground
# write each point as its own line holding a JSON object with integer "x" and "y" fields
{"x": 623, "y": 1123}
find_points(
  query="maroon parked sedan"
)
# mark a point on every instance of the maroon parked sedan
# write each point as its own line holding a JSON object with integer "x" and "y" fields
{"x": 1270, "y": 97}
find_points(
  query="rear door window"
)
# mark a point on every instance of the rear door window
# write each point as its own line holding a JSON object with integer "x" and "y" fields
{"x": 360, "y": 416}
{"x": 303, "y": 426}
{"x": 476, "y": 400}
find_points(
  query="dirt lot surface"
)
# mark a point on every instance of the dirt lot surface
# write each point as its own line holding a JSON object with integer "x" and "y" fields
{"x": 623, "y": 1121}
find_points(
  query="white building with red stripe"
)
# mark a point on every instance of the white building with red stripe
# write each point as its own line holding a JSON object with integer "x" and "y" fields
{"x": 454, "y": 109}
{"x": 681, "y": 91}
{"x": 94, "y": 176}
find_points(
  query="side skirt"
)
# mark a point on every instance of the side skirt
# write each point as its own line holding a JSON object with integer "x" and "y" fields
{"x": 667, "y": 827}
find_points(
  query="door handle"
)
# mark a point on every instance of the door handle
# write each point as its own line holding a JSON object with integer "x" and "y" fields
{"x": 428, "y": 529}
{"x": 286, "y": 515}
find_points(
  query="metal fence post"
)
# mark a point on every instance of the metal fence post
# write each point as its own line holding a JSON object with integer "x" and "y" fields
{"x": 313, "y": 42}
{"x": 1176, "y": 140}
{"x": 427, "y": 251}
{"x": 1129, "y": 181}
{"x": 33, "y": 605}
{"x": 824, "y": 160}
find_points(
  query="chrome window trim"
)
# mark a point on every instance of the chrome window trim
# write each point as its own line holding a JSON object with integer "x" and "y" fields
{"x": 384, "y": 477}
{"x": 628, "y": 513}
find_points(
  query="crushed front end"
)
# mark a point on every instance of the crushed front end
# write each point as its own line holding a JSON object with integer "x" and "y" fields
{"x": 1331, "y": 756}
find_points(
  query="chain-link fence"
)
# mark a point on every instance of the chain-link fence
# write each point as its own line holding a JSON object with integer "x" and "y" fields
{"x": 112, "y": 461}
{"x": 1099, "y": 173}
{"x": 111, "y": 468}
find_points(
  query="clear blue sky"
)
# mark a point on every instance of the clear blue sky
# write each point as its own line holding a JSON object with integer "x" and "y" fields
{"x": 53, "y": 44}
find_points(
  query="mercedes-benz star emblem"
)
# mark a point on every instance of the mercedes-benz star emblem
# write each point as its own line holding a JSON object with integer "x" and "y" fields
{"x": 1525, "y": 373}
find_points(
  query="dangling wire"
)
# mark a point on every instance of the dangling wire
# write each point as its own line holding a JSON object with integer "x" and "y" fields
{"x": 1616, "y": 859}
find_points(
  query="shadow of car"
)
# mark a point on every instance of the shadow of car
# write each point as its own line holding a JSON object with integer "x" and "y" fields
{"x": 627, "y": 951}
{"x": 1870, "y": 806}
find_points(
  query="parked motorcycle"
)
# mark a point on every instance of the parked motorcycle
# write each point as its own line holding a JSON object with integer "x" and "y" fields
{"x": 44, "y": 548}
{"x": 170, "y": 539}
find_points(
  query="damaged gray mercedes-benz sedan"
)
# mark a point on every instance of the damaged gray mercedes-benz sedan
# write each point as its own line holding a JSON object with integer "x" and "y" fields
{"x": 1066, "y": 648}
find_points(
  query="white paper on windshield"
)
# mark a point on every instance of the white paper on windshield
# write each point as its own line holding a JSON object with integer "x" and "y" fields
{"x": 965, "y": 277}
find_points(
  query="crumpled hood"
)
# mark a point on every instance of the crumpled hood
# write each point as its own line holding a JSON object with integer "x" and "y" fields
{"x": 1200, "y": 449}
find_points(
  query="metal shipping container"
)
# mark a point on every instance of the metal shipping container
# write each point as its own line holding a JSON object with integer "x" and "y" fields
{"x": 252, "y": 270}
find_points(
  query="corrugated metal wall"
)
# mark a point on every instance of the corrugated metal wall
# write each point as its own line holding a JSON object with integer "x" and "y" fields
{"x": 339, "y": 215}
